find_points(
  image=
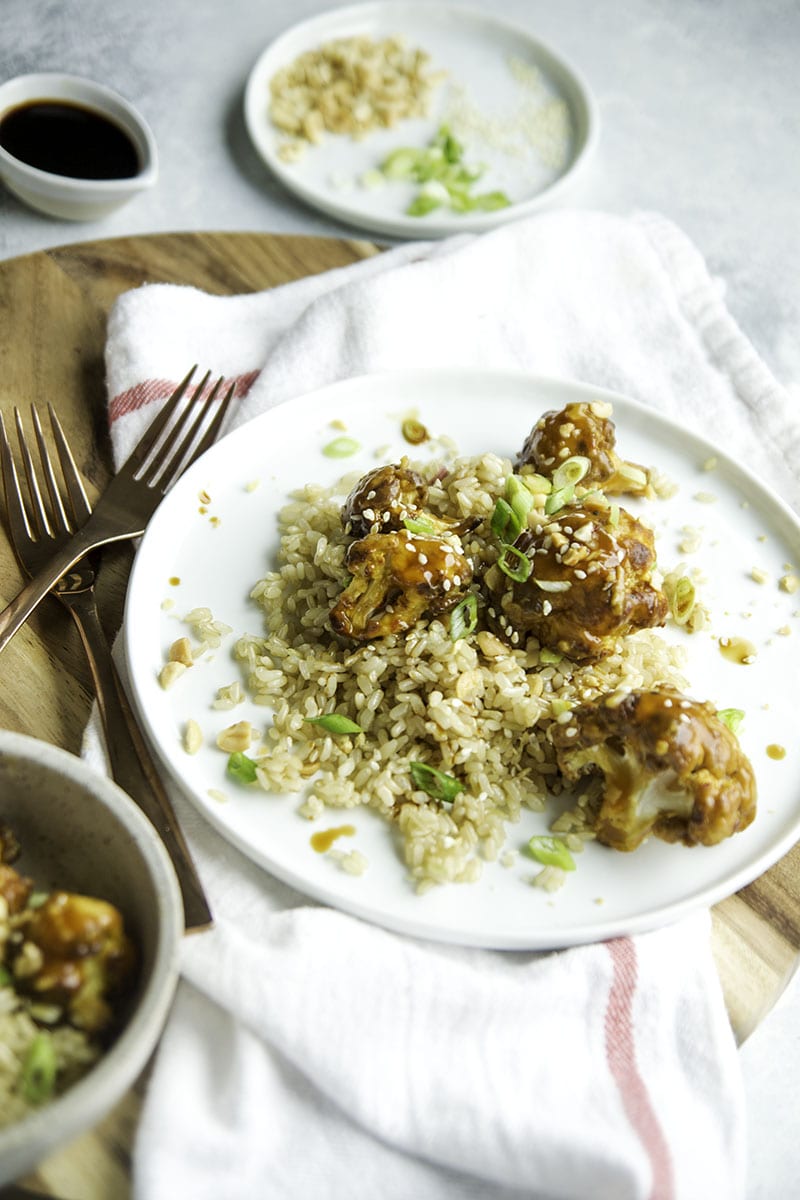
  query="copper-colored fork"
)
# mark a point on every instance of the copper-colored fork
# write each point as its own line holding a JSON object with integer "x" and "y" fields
{"x": 40, "y": 523}
{"x": 180, "y": 432}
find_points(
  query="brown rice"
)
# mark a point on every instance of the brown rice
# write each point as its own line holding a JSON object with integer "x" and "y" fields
{"x": 474, "y": 708}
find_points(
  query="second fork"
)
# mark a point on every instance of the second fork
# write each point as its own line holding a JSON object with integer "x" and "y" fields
{"x": 36, "y": 529}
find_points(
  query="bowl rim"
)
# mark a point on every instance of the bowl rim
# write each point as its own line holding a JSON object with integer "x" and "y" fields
{"x": 79, "y": 89}
{"x": 28, "y": 1141}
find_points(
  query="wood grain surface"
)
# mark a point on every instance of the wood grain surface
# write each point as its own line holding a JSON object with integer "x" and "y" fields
{"x": 53, "y": 310}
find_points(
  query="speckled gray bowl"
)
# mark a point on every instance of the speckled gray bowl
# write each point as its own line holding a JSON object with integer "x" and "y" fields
{"x": 79, "y": 832}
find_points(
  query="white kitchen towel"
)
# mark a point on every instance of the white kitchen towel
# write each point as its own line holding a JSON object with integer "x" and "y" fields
{"x": 310, "y": 1054}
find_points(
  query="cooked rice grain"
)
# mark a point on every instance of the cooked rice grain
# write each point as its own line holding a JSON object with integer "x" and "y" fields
{"x": 74, "y": 1052}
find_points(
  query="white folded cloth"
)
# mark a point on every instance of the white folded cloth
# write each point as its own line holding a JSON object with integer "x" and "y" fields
{"x": 311, "y": 1054}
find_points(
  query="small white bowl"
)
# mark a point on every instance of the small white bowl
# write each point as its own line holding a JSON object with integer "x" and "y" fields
{"x": 78, "y": 831}
{"x": 63, "y": 195}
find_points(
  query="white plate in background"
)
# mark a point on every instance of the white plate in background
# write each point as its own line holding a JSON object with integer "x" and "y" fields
{"x": 475, "y": 49}
{"x": 220, "y": 549}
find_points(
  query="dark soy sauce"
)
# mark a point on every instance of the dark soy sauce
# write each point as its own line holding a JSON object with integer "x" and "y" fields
{"x": 68, "y": 139}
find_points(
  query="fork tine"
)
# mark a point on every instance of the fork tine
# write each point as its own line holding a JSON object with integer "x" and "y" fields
{"x": 182, "y": 435}
{"x": 157, "y": 426}
{"x": 210, "y": 435}
{"x": 179, "y": 461}
{"x": 58, "y": 516}
{"x": 15, "y": 508}
{"x": 79, "y": 501}
{"x": 186, "y": 453}
{"x": 42, "y": 525}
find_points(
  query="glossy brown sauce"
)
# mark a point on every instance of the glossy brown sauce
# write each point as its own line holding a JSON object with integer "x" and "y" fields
{"x": 68, "y": 139}
{"x": 324, "y": 839}
{"x": 737, "y": 650}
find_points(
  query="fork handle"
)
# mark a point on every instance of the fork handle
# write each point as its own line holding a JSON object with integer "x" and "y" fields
{"x": 17, "y": 612}
{"x": 131, "y": 763}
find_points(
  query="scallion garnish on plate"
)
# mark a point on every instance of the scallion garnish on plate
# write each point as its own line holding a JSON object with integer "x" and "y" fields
{"x": 341, "y": 447}
{"x": 464, "y": 617}
{"x": 551, "y": 852}
{"x": 335, "y": 723}
{"x": 435, "y": 783}
{"x": 513, "y": 563}
{"x": 241, "y": 767}
{"x": 445, "y": 179}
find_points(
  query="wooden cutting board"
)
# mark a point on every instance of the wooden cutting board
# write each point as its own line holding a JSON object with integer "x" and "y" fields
{"x": 53, "y": 308}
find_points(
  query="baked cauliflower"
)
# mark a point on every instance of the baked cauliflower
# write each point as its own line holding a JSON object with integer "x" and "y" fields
{"x": 667, "y": 765}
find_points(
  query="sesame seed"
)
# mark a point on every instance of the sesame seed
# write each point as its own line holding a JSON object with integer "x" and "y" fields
{"x": 423, "y": 558}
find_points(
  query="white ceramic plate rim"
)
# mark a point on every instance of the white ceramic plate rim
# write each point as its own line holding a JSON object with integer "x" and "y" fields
{"x": 727, "y": 868}
{"x": 362, "y": 17}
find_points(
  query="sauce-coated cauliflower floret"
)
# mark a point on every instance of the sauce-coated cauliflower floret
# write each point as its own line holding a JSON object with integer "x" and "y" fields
{"x": 669, "y": 767}
{"x": 584, "y": 430}
{"x": 397, "y": 578}
{"x": 589, "y": 582}
{"x": 84, "y": 956}
{"x": 388, "y": 496}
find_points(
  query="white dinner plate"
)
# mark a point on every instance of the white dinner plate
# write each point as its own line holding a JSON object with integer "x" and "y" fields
{"x": 499, "y": 78}
{"x": 217, "y": 536}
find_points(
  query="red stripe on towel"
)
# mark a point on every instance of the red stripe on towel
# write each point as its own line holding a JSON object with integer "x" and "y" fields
{"x": 621, "y": 1056}
{"x": 152, "y": 390}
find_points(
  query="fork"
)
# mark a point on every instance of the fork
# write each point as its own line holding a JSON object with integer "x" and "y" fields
{"x": 134, "y": 492}
{"x": 35, "y": 534}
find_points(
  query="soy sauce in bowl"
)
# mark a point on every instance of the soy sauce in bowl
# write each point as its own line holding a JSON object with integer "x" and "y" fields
{"x": 68, "y": 139}
{"x": 72, "y": 148}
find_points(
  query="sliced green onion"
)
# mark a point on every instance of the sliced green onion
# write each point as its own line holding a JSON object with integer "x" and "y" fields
{"x": 519, "y": 497}
{"x": 435, "y": 783}
{"x": 506, "y": 524}
{"x": 402, "y": 163}
{"x": 418, "y": 525}
{"x": 514, "y": 564}
{"x": 335, "y": 723}
{"x": 552, "y": 852}
{"x": 37, "y": 899}
{"x": 341, "y": 447}
{"x": 39, "y": 1069}
{"x": 414, "y": 431}
{"x": 571, "y": 471}
{"x": 613, "y": 516}
{"x": 549, "y": 658}
{"x": 421, "y": 205}
{"x": 732, "y": 717}
{"x": 682, "y": 599}
{"x": 491, "y": 201}
{"x": 539, "y": 485}
{"x": 451, "y": 148}
{"x": 445, "y": 178}
{"x": 242, "y": 768}
{"x": 464, "y": 617}
{"x": 632, "y": 474}
{"x": 558, "y": 498}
